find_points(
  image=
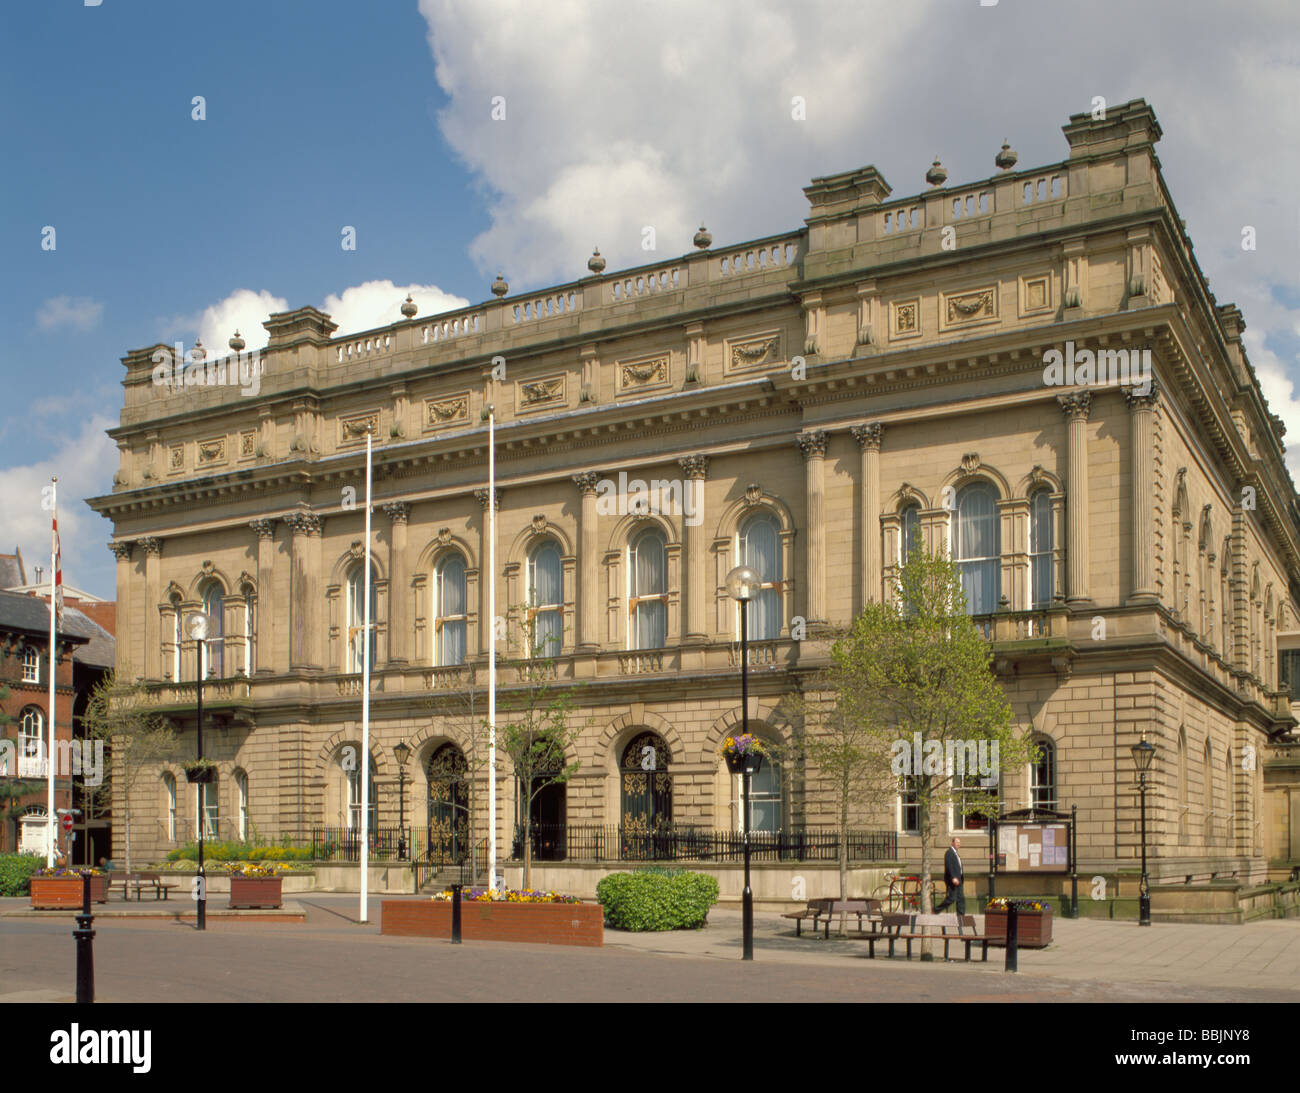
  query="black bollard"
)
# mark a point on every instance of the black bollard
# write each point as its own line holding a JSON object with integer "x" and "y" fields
{"x": 1013, "y": 930}
{"x": 455, "y": 914}
{"x": 85, "y": 945}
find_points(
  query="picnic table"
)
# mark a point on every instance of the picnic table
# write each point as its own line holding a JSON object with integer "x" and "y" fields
{"x": 826, "y": 909}
{"x": 916, "y": 927}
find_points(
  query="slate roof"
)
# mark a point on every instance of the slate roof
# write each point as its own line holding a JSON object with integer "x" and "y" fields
{"x": 12, "y": 570}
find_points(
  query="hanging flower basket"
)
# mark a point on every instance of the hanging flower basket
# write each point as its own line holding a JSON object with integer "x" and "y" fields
{"x": 201, "y": 773}
{"x": 743, "y": 754}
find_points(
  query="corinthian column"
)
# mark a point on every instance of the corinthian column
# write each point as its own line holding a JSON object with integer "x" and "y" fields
{"x": 1143, "y": 466}
{"x": 304, "y": 590}
{"x": 265, "y": 531}
{"x": 152, "y": 548}
{"x": 587, "y": 607}
{"x": 399, "y": 627}
{"x": 485, "y": 577}
{"x": 1075, "y": 406}
{"x": 813, "y": 446}
{"x": 868, "y": 438}
{"x": 695, "y": 468}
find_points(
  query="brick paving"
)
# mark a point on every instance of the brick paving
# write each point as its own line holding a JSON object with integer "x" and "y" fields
{"x": 332, "y": 958}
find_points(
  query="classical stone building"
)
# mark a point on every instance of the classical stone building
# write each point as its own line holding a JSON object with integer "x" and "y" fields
{"x": 1131, "y": 548}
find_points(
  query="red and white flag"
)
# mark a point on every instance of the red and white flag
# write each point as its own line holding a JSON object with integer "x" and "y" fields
{"x": 57, "y": 550}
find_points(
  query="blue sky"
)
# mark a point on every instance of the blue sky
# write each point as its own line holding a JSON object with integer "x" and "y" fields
{"x": 378, "y": 116}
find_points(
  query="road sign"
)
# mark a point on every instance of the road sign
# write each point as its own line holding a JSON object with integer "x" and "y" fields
{"x": 67, "y": 823}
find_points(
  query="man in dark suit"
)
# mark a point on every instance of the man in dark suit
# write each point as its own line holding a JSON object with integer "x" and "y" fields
{"x": 952, "y": 877}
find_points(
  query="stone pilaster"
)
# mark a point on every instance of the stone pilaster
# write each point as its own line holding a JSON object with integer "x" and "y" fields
{"x": 265, "y": 622}
{"x": 813, "y": 446}
{"x": 485, "y": 581}
{"x": 869, "y": 577}
{"x": 304, "y": 590}
{"x": 152, "y": 548}
{"x": 399, "y": 597}
{"x": 696, "y": 469}
{"x": 1142, "y": 471}
{"x": 122, "y": 553}
{"x": 1076, "y": 407}
{"x": 588, "y": 607}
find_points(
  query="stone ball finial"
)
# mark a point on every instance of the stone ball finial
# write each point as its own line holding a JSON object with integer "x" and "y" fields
{"x": 236, "y": 342}
{"x": 198, "y": 353}
{"x": 408, "y": 307}
{"x": 937, "y": 174}
{"x": 500, "y": 286}
{"x": 596, "y": 263}
{"x": 1006, "y": 159}
{"x": 703, "y": 239}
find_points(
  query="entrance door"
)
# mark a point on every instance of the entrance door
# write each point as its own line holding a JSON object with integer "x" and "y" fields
{"x": 547, "y": 815}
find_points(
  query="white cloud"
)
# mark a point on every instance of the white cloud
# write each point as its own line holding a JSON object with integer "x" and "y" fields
{"x": 85, "y": 463}
{"x": 77, "y": 312}
{"x": 243, "y": 310}
{"x": 378, "y": 303}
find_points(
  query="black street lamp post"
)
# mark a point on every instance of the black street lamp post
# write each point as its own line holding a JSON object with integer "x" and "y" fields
{"x": 742, "y": 583}
{"x": 402, "y": 752}
{"x": 1143, "y": 753}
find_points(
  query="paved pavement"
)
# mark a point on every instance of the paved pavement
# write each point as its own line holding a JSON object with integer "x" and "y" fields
{"x": 332, "y": 958}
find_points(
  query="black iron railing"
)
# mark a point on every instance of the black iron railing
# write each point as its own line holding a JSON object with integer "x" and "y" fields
{"x": 593, "y": 843}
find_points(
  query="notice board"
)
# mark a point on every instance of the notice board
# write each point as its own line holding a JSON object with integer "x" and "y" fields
{"x": 1033, "y": 847}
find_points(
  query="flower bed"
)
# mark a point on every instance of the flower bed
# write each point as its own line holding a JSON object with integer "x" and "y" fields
{"x": 549, "y": 922}
{"x": 508, "y": 895}
{"x": 62, "y": 890}
{"x": 1033, "y": 923}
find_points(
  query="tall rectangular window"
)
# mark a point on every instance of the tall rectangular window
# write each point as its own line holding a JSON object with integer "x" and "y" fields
{"x": 1288, "y": 671}
{"x": 31, "y": 665}
{"x": 1040, "y": 548}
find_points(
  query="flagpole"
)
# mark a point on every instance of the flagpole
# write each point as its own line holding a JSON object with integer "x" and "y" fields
{"x": 49, "y": 751}
{"x": 492, "y": 648}
{"x": 365, "y": 701}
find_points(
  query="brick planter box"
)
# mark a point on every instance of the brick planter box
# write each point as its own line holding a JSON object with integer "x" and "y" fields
{"x": 545, "y": 923}
{"x": 63, "y": 893}
{"x": 1033, "y": 928}
{"x": 255, "y": 891}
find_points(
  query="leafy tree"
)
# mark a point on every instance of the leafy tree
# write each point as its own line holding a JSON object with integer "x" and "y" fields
{"x": 538, "y": 731}
{"x": 135, "y": 737}
{"x": 911, "y": 668}
{"x": 466, "y": 707}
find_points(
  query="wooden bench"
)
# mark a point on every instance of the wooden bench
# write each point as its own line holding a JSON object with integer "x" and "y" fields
{"x": 142, "y": 881}
{"x": 827, "y": 909}
{"x": 964, "y": 923}
{"x": 909, "y": 928}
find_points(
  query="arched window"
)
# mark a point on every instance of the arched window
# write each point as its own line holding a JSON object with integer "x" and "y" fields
{"x": 648, "y": 602}
{"x": 646, "y": 790}
{"x": 169, "y": 800}
{"x": 241, "y": 802}
{"x": 31, "y": 743}
{"x": 1225, "y": 604}
{"x": 448, "y": 811}
{"x": 909, "y": 533}
{"x": 356, "y": 616}
{"x": 449, "y": 613}
{"x": 1208, "y": 791}
{"x": 760, "y": 549}
{"x": 1042, "y": 775}
{"x": 354, "y": 797}
{"x": 546, "y": 600}
{"x": 31, "y": 665}
{"x": 1040, "y": 548}
{"x": 214, "y": 652}
{"x": 766, "y": 811}
{"x": 977, "y": 547}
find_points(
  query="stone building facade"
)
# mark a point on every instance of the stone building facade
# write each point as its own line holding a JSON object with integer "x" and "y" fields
{"x": 1133, "y": 549}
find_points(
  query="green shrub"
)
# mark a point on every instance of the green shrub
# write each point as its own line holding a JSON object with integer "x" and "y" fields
{"x": 16, "y": 873}
{"x": 657, "y": 900}
{"x": 237, "y": 851}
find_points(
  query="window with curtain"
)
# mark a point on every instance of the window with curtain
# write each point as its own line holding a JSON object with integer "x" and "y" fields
{"x": 1042, "y": 776}
{"x": 765, "y": 811}
{"x": 241, "y": 797}
{"x": 977, "y": 547}
{"x": 214, "y": 646}
{"x": 449, "y": 613}
{"x": 760, "y": 549}
{"x": 354, "y": 798}
{"x": 356, "y": 616}
{"x": 1040, "y": 548}
{"x": 648, "y": 602}
{"x": 169, "y": 790}
{"x": 909, "y": 533}
{"x": 546, "y": 600}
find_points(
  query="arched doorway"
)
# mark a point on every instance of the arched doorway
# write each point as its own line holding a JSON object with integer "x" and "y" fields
{"x": 547, "y": 804}
{"x": 645, "y": 796}
{"x": 448, "y": 814}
